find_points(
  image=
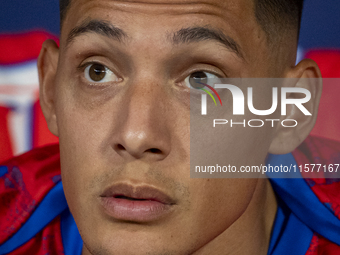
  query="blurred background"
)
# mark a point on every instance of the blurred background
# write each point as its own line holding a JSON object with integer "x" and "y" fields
{"x": 24, "y": 25}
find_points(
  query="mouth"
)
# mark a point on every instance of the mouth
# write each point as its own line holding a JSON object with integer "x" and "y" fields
{"x": 136, "y": 203}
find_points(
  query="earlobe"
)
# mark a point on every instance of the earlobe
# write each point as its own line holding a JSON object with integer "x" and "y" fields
{"x": 305, "y": 75}
{"x": 47, "y": 69}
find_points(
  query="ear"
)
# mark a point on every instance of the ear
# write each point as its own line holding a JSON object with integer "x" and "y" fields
{"x": 47, "y": 69}
{"x": 305, "y": 75}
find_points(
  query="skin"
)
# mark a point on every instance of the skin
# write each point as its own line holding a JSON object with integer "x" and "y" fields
{"x": 108, "y": 132}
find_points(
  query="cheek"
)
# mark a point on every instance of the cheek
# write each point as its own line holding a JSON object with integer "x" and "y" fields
{"x": 81, "y": 139}
{"x": 231, "y": 142}
{"x": 229, "y": 148}
{"x": 84, "y": 123}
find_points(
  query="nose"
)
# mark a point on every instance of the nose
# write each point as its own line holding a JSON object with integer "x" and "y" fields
{"x": 142, "y": 130}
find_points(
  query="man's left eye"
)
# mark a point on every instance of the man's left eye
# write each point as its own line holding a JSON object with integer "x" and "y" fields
{"x": 197, "y": 80}
{"x": 99, "y": 73}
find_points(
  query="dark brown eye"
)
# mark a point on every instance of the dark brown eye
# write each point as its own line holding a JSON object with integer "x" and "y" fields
{"x": 99, "y": 73}
{"x": 197, "y": 80}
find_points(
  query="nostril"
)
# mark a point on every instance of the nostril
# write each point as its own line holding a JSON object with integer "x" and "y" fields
{"x": 155, "y": 151}
{"x": 120, "y": 147}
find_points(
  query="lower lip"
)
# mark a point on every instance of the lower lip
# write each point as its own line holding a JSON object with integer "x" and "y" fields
{"x": 134, "y": 210}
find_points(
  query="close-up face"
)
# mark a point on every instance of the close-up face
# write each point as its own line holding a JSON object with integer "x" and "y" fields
{"x": 121, "y": 98}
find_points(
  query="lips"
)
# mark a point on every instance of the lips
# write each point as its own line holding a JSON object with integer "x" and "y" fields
{"x": 136, "y": 203}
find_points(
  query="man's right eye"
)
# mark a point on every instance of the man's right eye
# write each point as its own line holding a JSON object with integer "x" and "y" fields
{"x": 98, "y": 73}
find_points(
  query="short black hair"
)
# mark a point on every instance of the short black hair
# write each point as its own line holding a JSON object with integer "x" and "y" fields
{"x": 63, "y": 6}
{"x": 277, "y": 16}
{"x": 274, "y": 16}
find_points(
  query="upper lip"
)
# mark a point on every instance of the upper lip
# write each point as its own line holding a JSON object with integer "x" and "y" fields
{"x": 143, "y": 192}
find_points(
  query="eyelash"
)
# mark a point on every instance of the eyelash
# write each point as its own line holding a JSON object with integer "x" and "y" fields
{"x": 82, "y": 67}
{"x": 220, "y": 75}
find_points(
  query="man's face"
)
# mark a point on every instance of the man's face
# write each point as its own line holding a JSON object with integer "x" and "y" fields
{"x": 123, "y": 113}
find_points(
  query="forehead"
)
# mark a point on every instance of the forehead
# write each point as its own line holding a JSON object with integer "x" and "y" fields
{"x": 155, "y": 17}
{"x": 168, "y": 6}
{"x": 220, "y": 11}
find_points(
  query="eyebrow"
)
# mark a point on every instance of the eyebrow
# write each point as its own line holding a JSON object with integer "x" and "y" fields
{"x": 182, "y": 36}
{"x": 97, "y": 26}
{"x": 199, "y": 34}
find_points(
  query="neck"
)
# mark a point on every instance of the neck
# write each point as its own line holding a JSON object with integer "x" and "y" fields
{"x": 249, "y": 234}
